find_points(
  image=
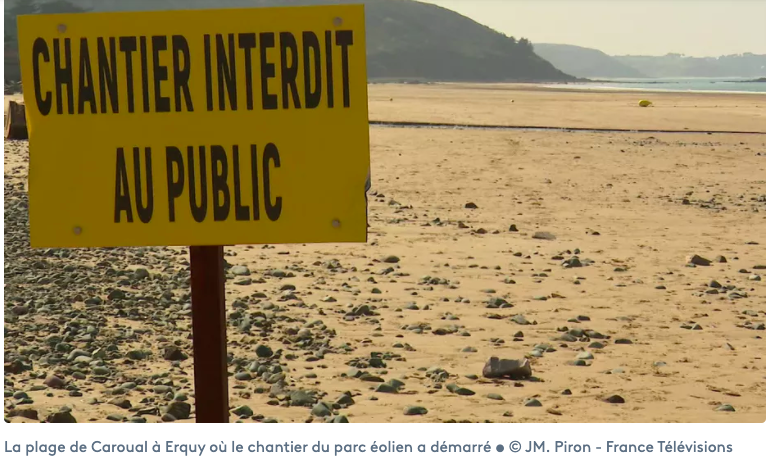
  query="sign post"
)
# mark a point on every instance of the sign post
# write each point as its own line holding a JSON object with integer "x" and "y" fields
{"x": 211, "y": 386}
{"x": 199, "y": 128}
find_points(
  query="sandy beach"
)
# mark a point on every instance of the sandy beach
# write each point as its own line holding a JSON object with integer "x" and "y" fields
{"x": 677, "y": 342}
{"x": 566, "y": 106}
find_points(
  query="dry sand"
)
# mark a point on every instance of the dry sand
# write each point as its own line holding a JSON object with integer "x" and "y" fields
{"x": 630, "y": 188}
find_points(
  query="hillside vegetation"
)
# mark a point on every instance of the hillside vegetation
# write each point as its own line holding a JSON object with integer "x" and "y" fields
{"x": 405, "y": 39}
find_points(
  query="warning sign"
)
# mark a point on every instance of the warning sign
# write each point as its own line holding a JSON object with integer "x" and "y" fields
{"x": 205, "y": 127}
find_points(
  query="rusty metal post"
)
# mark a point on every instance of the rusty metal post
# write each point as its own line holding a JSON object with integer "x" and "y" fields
{"x": 211, "y": 388}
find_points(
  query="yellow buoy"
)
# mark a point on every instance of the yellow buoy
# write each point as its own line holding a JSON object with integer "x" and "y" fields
{"x": 644, "y": 103}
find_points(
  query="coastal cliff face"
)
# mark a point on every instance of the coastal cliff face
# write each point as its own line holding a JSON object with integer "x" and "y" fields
{"x": 406, "y": 39}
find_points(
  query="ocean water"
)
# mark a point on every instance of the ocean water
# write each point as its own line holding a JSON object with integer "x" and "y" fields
{"x": 732, "y": 84}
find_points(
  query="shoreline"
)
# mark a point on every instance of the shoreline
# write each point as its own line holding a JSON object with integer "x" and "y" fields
{"x": 578, "y": 88}
{"x": 606, "y": 88}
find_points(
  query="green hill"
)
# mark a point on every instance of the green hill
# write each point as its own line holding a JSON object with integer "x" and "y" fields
{"x": 585, "y": 62}
{"x": 406, "y": 39}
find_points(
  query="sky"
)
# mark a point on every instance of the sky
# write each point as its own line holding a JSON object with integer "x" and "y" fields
{"x": 697, "y": 28}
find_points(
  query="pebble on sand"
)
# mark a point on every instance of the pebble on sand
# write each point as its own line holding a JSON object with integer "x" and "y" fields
{"x": 511, "y": 368}
{"x": 415, "y": 410}
{"x": 454, "y": 388}
{"x": 240, "y": 270}
{"x": 697, "y": 260}
{"x": 345, "y": 400}
{"x": 386, "y": 388}
{"x": 173, "y": 353}
{"x": 178, "y": 410}
{"x": 30, "y": 414}
{"x": 533, "y": 403}
{"x": 54, "y": 382}
{"x": 63, "y": 416}
{"x": 262, "y": 351}
{"x": 243, "y": 411}
{"x": 543, "y": 236}
{"x": 725, "y": 408}
{"x": 140, "y": 274}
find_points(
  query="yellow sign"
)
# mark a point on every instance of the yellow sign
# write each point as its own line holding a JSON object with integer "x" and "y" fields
{"x": 206, "y": 127}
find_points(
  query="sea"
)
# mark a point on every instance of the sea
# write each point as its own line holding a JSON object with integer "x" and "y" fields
{"x": 725, "y": 85}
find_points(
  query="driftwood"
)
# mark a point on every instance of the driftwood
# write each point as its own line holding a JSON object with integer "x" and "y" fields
{"x": 16, "y": 122}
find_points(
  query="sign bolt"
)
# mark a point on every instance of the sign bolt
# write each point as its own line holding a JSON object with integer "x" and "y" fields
{"x": 62, "y": 28}
{"x": 77, "y": 230}
{"x": 338, "y": 21}
{"x": 336, "y": 223}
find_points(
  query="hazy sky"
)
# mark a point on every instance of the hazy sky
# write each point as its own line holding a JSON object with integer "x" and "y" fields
{"x": 652, "y": 27}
